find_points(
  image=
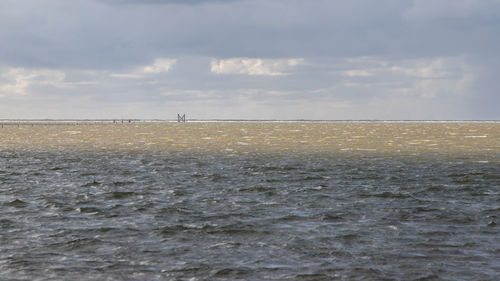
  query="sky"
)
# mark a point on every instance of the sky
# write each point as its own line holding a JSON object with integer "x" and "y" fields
{"x": 250, "y": 59}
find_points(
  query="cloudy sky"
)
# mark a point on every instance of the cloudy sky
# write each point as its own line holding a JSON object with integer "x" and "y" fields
{"x": 250, "y": 59}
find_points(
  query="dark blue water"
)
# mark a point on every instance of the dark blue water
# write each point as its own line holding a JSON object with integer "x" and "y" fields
{"x": 195, "y": 216}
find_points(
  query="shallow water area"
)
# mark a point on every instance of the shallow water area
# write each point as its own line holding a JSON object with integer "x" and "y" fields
{"x": 250, "y": 201}
{"x": 418, "y": 138}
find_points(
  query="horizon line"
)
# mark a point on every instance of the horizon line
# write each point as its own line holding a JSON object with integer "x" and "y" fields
{"x": 236, "y": 120}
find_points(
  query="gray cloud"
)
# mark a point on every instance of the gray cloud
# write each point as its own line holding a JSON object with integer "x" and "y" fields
{"x": 89, "y": 34}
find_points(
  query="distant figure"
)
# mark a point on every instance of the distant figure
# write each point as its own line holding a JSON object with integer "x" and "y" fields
{"x": 129, "y": 120}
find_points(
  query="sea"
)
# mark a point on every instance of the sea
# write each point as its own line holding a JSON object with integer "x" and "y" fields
{"x": 88, "y": 200}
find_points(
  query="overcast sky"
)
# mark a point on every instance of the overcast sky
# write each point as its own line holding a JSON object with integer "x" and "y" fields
{"x": 250, "y": 59}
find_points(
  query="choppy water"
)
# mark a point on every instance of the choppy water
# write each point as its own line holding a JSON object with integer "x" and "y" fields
{"x": 250, "y": 201}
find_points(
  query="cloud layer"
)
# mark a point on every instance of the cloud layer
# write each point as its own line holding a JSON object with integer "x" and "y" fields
{"x": 249, "y": 66}
{"x": 272, "y": 59}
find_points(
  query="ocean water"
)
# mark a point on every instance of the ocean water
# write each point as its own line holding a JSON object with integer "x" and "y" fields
{"x": 250, "y": 201}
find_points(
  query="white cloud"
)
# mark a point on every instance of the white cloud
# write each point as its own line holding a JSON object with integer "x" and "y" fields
{"x": 126, "y": 75}
{"x": 160, "y": 65}
{"x": 249, "y": 66}
{"x": 424, "y": 78}
{"x": 17, "y": 81}
{"x": 430, "y": 69}
{"x": 431, "y": 78}
{"x": 357, "y": 73}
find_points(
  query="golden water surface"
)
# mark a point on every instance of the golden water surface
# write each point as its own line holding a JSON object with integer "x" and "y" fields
{"x": 444, "y": 138}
